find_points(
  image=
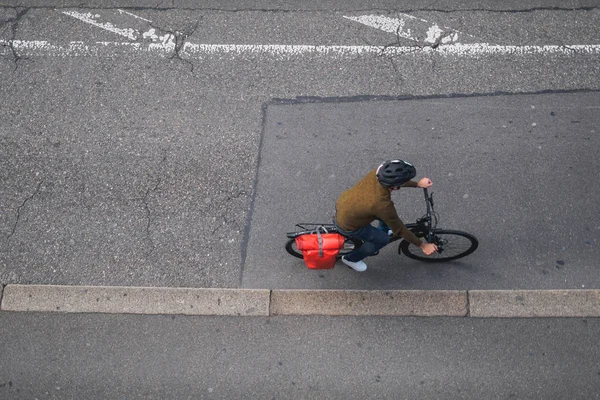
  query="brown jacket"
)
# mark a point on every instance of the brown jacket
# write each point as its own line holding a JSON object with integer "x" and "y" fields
{"x": 367, "y": 201}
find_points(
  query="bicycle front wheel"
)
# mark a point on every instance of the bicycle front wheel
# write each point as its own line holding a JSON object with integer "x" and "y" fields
{"x": 349, "y": 245}
{"x": 451, "y": 246}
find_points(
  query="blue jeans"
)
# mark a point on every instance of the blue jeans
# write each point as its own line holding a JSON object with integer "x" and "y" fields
{"x": 373, "y": 238}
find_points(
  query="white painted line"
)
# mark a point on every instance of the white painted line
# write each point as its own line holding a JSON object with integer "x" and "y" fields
{"x": 409, "y": 27}
{"x": 198, "y": 51}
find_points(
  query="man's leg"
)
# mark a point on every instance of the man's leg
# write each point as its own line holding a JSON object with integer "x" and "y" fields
{"x": 382, "y": 226}
{"x": 373, "y": 238}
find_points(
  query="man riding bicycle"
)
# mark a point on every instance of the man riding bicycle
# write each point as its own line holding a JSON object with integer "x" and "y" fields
{"x": 370, "y": 200}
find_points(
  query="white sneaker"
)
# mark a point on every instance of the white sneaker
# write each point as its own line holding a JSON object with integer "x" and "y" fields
{"x": 358, "y": 266}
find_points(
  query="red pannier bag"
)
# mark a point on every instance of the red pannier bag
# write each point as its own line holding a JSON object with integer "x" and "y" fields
{"x": 319, "y": 250}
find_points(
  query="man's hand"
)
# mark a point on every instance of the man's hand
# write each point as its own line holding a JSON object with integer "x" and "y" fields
{"x": 424, "y": 183}
{"x": 428, "y": 248}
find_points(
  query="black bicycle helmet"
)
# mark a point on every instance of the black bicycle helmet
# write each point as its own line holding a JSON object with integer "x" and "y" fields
{"x": 395, "y": 173}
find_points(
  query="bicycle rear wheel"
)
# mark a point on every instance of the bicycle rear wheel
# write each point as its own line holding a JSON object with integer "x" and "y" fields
{"x": 349, "y": 245}
{"x": 451, "y": 246}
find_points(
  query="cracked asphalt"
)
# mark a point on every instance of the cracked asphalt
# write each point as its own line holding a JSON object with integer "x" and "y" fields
{"x": 135, "y": 169}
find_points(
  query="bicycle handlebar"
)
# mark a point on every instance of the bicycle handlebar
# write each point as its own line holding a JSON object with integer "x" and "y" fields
{"x": 428, "y": 200}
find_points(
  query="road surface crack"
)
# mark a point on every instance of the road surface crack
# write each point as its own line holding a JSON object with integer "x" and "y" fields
{"x": 146, "y": 202}
{"x": 236, "y": 195}
{"x": 14, "y": 26}
{"x": 14, "y": 228}
{"x": 147, "y": 209}
{"x": 224, "y": 221}
{"x": 180, "y": 39}
{"x": 177, "y": 40}
{"x": 400, "y": 43}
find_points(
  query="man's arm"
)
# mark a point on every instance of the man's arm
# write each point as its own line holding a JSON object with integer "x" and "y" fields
{"x": 428, "y": 248}
{"x": 406, "y": 234}
{"x": 423, "y": 183}
{"x": 390, "y": 217}
{"x": 413, "y": 184}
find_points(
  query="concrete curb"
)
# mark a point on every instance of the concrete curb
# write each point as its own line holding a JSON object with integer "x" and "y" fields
{"x": 534, "y": 303}
{"x": 425, "y": 303}
{"x": 265, "y": 302}
{"x": 135, "y": 300}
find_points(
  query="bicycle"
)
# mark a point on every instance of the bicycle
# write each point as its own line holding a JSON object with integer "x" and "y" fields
{"x": 451, "y": 244}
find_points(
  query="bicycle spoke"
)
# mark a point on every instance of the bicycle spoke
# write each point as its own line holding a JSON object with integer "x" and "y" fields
{"x": 451, "y": 245}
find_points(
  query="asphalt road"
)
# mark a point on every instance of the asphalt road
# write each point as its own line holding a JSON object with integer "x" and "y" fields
{"x": 126, "y": 161}
{"x": 128, "y": 167}
{"x": 71, "y": 356}
{"x": 517, "y": 171}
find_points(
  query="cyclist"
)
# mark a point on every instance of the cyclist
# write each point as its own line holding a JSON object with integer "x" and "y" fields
{"x": 370, "y": 200}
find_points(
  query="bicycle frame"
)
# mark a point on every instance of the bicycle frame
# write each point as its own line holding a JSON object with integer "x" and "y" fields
{"x": 427, "y": 223}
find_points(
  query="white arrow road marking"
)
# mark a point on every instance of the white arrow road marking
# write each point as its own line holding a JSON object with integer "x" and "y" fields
{"x": 129, "y": 33}
{"x": 199, "y": 51}
{"x": 133, "y": 15}
{"x": 91, "y": 19}
{"x": 412, "y": 28}
{"x": 165, "y": 45}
